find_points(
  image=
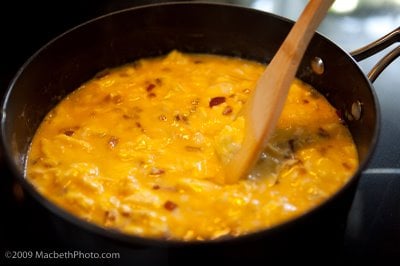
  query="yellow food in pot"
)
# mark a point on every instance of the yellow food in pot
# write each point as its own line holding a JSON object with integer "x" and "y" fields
{"x": 141, "y": 149}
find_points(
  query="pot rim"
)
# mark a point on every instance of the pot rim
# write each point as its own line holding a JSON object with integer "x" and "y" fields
{"x": 119, "y": 236}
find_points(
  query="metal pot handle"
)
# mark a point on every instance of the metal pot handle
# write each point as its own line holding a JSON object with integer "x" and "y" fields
{"x": 377, "y": 46}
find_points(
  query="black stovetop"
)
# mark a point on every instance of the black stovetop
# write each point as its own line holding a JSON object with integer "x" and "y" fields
{"x": 373, "y": 225}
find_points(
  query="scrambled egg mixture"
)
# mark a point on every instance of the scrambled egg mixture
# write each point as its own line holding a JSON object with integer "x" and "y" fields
{"x": 141, "y": 149}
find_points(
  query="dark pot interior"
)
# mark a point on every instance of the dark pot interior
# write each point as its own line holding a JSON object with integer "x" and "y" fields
{"x": 76, "y": 56}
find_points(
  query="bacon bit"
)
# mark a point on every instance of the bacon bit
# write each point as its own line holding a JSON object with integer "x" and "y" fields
{"x": 156, "y": 187}
{"x": 227, "y": 111}
{"x": 112, "y": 142}
{"x": 69, "y": 132}
{"x": 323, "y": 133}
{"x": 157, "y": 171}
{"x": 150, "y": 87}
{"x": 216, "y": 101}
{"x": 151, "y": 95}
{"x": 170, "y": 206}
{"x": 192, "y": 148}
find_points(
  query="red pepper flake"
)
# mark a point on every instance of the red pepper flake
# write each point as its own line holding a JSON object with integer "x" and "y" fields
{"x": 302, "y": 171}
{"x": 18, "y": 192}
{"x": 156, "y": 187}
{"x": 110, "y": 216}
{"x": 323, "y": 151}
{"x": 292, "y": 146}
{"x": 112, "y": 142}
{"x": 192, "y": 148}
{"x": 180, "y": 117}
{"x": 115, "y": 98}
{"x": 305, "y": 101}
{"x": 227, "y": 111}
{"x": 150, "y": 87}
{"x": 339, "y": 113}
{"x": 195, "y": 101}
{"x": 158, "y": 81}
{"x": 193, "y": 109}
{"x": 314, "y": 94}
{"x": 216, "y": 101}
{"x": 162, "y": 118}
{"x": 69, "y": 132}
{"x": 347, "y": 166}
{"x": 102, "y": 74}
{"x": 137, "y": 109}
{"x": 136, "y": 64}
{"x": 156, "y": 171}
{"x": 151, "y": 95}
{"x": 170, "y": 206}
{"x": 323, "y": 133}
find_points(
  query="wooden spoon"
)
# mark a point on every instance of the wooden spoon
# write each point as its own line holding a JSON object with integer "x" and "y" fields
{"x": 265, "y": 105}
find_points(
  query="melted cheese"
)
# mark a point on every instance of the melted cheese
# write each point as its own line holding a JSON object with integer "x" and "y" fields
{"x": 141, "y": 149}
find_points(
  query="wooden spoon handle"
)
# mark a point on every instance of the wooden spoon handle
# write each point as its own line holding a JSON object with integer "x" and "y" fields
{"x": 265, "y": 105}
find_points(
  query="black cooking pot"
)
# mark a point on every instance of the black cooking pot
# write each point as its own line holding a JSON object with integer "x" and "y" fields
{"x": 121, "y": 37}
